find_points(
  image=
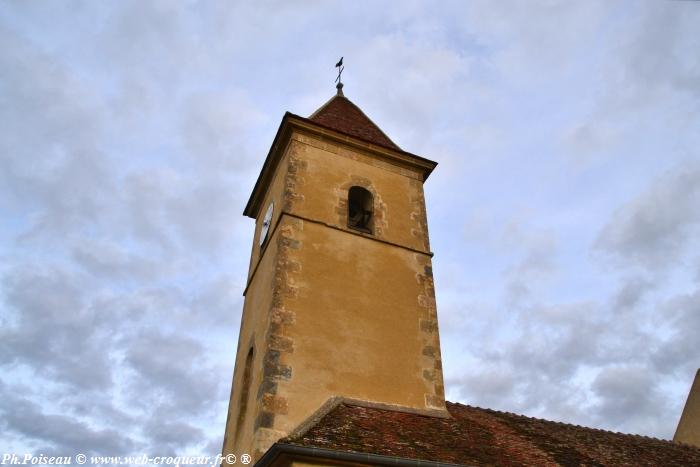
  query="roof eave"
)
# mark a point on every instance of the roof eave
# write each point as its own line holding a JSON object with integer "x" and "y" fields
{"x": 281, "y": 449}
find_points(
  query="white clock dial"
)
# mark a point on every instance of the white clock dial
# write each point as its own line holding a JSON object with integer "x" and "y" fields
{"x": 267, "y": 220}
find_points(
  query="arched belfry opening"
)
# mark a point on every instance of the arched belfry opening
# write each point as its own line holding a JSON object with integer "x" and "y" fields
{"x": 360, "y": 209}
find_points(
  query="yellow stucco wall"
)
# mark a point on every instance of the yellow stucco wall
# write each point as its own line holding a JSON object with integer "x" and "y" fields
{"x": 332, "y": 311}
{"x": 688, "y": 430}
{"x": 357, "y": 329}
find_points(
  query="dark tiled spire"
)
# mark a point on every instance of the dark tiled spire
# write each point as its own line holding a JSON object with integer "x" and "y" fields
{"x": 342, "y": 115}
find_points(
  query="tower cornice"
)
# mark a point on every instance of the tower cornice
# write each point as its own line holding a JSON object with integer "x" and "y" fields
{"x": 291, "y": 123}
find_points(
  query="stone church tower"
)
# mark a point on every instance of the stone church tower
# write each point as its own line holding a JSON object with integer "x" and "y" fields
{"x": 339, "y": 300}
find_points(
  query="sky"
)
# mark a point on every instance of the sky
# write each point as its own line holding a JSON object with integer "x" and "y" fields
{"x": 564, "y": 213}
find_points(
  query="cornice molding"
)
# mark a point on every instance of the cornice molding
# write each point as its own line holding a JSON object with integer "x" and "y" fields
{"x": 291, "y": 123}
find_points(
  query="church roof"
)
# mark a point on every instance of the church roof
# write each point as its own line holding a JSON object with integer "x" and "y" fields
{"x": 475, "y": 437}
{"x": 340, "y": 114}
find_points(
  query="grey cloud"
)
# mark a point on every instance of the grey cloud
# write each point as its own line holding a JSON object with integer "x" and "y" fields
{"x": 556, "y": 339}
{"x": 216, "y": 128}
{"x": 172, "y": 437}
{"x": 551, "y": 342}
{"x": 145, "y": 194}
{"x": 63, "y": 433}
{"x": 537, "y": 369}
{"x": 629, "y": 397}
{"x": 679, "y": 353}
{"x": 155, "y": 42}
{"x": 112, "y": 260}
{"x": 416, "y": 98}
{"x": 52, "y": 164}
{"x": 173, "y": 371}
{"x": 632, "y": 293}
{"x": 52, "y": 328}
{"x": 178, "y": 211}
{"x": 494, "y": 385}
{"x": 655, "y": 57}
{"x": 218, "y": 304}
{"x": 536, "y": 263}
{"x": 114, "y": 344}
{"x": 589, "y": 138}
{"x": 205, "y": 216}
{"x": 99, "y": 407}
{"x": 540, "y": 257}
{"x": 653, "y": 229}
{"x": 547, "y": 34}
{"x": 215, "y": 444}
{"x": 643, "y": 92}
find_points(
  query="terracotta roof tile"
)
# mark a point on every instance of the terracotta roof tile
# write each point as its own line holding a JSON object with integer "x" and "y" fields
{"x": 342, "y": 115}
{"x": 482, "y": 437}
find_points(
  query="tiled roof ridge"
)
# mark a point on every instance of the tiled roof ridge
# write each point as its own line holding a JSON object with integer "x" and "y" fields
{"x": 573, "y": 425}
{"x": 349, "y": 402}
{"x": 395, "y": 148}
{"x": 363, "y": 127}
{"x": 483, "y": 437}
{"x": 370, "y": 120}
{"x": 327, "y": 407}
{"x": 334, "y": 402}
{"x": 325, "y": 104}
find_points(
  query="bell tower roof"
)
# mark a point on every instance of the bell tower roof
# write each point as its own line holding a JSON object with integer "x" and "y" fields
{"x": 340, "y": 114}
{"x": 343, "y": 122}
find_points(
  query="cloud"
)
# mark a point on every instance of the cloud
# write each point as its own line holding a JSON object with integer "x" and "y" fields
{"x": 173, "y": 371}
{"x": 51, "y": 329}
{"x": 544, "y": 370}
{"x": 58, "y": 433}
{"x": 629, "y": 397}
{"x": 113, "y": 260}
{"x": 536, "y": 265}
{"x": 171, "y": 437}
{"x": 632, "y": 293}
{"x": 678, "y": 352}
{"x": 653, "y": 230}
{"x": 216, "y": 128}
{"x": 113, "y": 351}
{"x": 52, "y": 164}
{"x": 655, "y": 59}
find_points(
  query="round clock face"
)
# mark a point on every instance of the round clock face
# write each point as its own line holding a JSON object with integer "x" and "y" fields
{"x": 267, "y": 220}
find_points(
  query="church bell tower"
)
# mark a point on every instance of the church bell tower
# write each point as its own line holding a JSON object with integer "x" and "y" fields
{"x": 339, "y": 300}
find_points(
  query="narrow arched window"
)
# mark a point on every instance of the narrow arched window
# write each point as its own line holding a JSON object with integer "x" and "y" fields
{"x": 245, "y": 389}
{"x": 360, "y": 207}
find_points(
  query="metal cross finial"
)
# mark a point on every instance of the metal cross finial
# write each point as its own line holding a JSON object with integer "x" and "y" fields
{"x": 340, "y": 68}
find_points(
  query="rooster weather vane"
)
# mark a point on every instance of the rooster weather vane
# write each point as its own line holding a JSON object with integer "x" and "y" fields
{"x": 340, "y": 68}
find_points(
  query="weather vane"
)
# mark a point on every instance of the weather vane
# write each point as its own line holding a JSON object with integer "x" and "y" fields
{"x": 340, "y": 68}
